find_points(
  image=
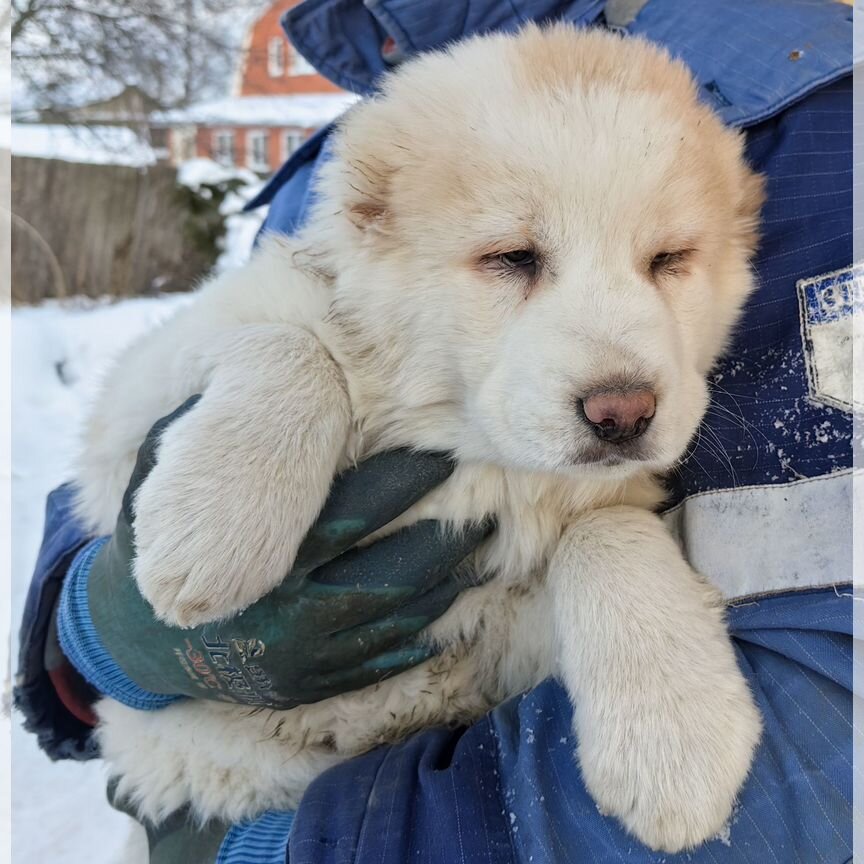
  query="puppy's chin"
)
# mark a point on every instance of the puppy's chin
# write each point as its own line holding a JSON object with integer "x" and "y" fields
{"x": 592, "y": 461}
{"x": 608, "y": 465}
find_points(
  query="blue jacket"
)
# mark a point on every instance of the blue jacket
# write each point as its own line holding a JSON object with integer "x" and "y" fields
{"x": 767, "y": 515}
{"x": 776, "y": 493}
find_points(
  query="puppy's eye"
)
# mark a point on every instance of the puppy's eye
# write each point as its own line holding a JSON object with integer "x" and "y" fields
{"x": 522, "y": 260}
{"x": 669, "y": 263}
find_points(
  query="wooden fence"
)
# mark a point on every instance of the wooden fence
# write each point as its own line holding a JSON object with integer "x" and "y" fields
{"x": 98, "y": 230}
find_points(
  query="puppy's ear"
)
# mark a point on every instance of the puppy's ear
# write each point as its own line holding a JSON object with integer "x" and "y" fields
{"x": 368, "y": 155}
{"x": 367, "y": 183}
{"x": 752, "y": 194}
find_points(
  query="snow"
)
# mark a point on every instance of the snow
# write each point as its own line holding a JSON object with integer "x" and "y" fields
{"x": 101, "y": 145}
{"x": 197, "y": 172}
{"x": 240, "y": 227}
{"x": 308, "y": 111}
{"x": 61, "y": 814}
{"x": 58, "y": 353}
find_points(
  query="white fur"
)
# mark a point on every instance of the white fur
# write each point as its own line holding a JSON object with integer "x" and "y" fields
{"x": 383, "y": 324}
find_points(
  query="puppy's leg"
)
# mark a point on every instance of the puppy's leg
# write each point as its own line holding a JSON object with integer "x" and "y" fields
{"x": 240, "y": 478}
{"x": 231, "y": 762}
{"x": 151, "y": 378}
{"x": 665, "y": 721}
{"x": 227, "y": 761}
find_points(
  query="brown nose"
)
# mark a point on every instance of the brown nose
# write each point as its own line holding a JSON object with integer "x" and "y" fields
{"x": 619, "y": 415}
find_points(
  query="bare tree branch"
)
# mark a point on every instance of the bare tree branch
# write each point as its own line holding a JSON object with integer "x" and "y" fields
{"x": 22, "y": 14}
{"x": 67, "y": 52}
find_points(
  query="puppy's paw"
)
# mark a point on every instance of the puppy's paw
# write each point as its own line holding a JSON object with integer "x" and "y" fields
{"x": 669, "y": 765}
{"x": 214, "y": 528}
{"x": 225, "y": 761}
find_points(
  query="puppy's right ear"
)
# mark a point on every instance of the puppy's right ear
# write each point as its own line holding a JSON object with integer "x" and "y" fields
{"x": 367, "y": 156}
{"x": 366, "y": 192}
{"x": 753, "y": 192}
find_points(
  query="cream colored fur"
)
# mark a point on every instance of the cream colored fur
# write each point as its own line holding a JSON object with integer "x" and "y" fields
{"x": 391, "y": 321}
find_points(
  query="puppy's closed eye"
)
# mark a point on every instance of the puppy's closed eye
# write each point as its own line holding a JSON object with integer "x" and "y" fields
{"x": 670, "y": 263}
{"x": 523, "y": 260}
{"x": 521, "y": 263}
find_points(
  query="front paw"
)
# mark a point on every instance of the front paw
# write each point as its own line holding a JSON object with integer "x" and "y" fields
{"x": 670, "y": 765}
{"x": 224, "y": 762}
{"x": 210, "y": 536}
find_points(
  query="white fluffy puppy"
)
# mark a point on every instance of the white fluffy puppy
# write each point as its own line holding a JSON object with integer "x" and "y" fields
{"x": 528, "y": 250}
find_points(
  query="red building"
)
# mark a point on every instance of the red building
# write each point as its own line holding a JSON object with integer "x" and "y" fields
{"x": 279, "y": 100}
{"x": 271, "y": 66}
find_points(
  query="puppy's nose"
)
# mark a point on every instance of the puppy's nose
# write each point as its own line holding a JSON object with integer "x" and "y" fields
{"x": 619, "y": 416}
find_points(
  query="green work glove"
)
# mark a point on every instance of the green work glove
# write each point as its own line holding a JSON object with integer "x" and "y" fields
{"x": 343, "y": 618}
{"x": 177, "y": 839}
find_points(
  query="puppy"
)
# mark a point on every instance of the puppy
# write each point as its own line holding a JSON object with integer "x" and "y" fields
{"x": 528, "y": 250}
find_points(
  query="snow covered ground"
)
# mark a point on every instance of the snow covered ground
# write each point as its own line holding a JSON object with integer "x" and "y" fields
{"x": 60, "y": 812}
{"x": 58, "y": 353}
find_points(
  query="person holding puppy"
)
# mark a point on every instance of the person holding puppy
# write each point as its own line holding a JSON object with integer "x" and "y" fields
{"x": 771, "y": 460}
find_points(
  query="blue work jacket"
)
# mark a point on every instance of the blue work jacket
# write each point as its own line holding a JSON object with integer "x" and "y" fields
{"x": 766, "y": 514}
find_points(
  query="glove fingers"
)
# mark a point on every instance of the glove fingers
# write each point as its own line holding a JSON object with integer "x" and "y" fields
{"x": 400, "y": 566}
{"x": 365, "y": 499}
{"x": 369, "y": 641}
{"x": 147, "y": 452}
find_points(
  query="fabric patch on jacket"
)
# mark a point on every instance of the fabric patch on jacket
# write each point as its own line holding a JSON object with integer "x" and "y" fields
{"x": 828, "y": 304}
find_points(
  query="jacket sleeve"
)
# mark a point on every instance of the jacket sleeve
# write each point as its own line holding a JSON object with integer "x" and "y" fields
{"x": 508, "y": 788}
{"x": 290, "y": 192}
{"x": 52, "y": 698}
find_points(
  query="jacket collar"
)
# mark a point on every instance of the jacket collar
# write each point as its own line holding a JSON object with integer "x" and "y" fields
{"x": 343, "y": 38}
{"x": 752, "y": 58}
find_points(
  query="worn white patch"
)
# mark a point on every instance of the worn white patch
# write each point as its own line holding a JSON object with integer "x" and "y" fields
{"x": 828, "y": 304}
{"x": 761, "y": 539}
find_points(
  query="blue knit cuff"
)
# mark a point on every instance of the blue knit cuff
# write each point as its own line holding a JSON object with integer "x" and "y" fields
{"x": 82, "y": 646}
{"x": 264, "y": 841}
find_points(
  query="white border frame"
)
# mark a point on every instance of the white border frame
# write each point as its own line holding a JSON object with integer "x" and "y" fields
{"x": 250, "y": 135}
{"x": 5, "y": 439}
{"x": 283, "y": 142}
{"x": 272, "y": 42}
{"x": 215, "y": 132}
{"x": 858, "y": 432}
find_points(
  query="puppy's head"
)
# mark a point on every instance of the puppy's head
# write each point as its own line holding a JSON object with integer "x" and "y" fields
{"x": 553, "y": 234}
